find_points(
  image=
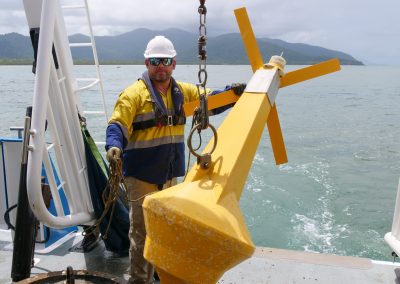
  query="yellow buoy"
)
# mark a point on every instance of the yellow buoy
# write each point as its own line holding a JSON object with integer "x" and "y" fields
{"x": 195, "y": 230}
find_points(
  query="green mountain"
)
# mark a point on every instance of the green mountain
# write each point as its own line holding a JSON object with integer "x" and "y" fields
{"x": 129, "y": 47}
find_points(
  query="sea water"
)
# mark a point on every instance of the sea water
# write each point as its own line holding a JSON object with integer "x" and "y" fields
{"x": 342, "y": 134}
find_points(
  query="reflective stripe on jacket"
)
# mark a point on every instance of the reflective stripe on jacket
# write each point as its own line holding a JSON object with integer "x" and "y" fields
{"x": 155, "y": 154}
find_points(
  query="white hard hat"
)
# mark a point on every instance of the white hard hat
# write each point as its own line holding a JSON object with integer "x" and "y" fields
{"x": 161, "y": 47}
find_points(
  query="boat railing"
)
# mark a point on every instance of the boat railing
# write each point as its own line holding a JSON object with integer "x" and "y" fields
{"x": 55, "y": 117}
{"x": 89, "y": 82}
{"x": 393, "y": 238}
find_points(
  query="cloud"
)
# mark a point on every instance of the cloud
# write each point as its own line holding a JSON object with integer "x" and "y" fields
{"x": 12, "y": 17}
{"x": 365, "y": 29}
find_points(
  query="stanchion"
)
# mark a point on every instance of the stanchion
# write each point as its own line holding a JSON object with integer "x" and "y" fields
{"x": 24, "y": 238}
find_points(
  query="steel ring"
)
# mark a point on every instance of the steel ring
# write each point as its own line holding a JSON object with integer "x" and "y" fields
{"x": 189, "y": 140}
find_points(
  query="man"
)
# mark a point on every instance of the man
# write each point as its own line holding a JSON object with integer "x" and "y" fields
{"x": 147, "y": 126}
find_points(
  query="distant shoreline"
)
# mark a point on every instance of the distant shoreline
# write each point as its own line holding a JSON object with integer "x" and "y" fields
{"x": 226, "y": 49}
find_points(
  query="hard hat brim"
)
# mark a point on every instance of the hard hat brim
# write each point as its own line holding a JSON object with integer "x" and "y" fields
{"x": 159, "y": 55}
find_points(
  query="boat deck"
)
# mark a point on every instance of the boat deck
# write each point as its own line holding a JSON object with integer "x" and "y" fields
{"x": 268, "y": 265}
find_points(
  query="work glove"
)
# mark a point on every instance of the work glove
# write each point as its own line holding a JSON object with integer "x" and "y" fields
{"x": 113, "y": 153}
{"x": 238, "y": 88}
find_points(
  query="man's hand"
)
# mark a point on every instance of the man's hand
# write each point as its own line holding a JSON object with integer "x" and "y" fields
{"x": 113, "y": 153}
{"x": 238, "y": 88}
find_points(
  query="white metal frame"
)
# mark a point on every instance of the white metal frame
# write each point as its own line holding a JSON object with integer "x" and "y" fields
{"x": 393, "y": 237}
{"x": 56, "y": 100}
{"x": 92, "y": 44}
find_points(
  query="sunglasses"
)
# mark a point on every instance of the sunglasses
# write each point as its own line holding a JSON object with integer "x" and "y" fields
{"x": 165, "y": 61}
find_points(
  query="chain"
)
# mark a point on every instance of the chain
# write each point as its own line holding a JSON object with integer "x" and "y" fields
{"x": 202, "y": 74}
{"x": 200, "y": 117}
{"x": 202, "y": 42}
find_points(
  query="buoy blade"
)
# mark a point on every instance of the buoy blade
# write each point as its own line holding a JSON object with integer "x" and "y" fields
{"x": 249, "y": 40}
{"x": 218, "y": 100}
{"x": 310, "y": 72}
{"x": 256, "y": 61}
{"x": 275, "y": 134}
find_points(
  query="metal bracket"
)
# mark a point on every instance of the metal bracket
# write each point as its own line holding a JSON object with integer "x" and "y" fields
{"x": 265, "y": 81}
{"x": 204, "y": 161}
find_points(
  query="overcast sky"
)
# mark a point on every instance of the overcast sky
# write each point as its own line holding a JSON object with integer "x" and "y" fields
{"x": 369, "y": 30}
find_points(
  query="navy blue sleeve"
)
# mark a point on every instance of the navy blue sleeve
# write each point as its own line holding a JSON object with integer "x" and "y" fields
{"x": 115, "y": 137}
{"x": 222, "y": 108}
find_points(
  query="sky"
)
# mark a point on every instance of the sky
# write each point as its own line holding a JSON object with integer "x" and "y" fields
{"x": 369, "y": 30}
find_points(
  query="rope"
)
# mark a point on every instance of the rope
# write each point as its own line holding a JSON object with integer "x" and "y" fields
{"x": 110, "y": 196}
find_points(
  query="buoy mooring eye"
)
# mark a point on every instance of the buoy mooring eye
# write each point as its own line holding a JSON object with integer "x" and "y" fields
{"x": 204, "y": 160}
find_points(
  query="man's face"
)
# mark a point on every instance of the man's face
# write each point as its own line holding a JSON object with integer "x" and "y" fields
{"x": 160, "y": 69}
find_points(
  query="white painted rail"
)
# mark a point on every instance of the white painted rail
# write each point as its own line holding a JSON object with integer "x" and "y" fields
{"x": 56, "y": 103}
{"x": 393, "y": 237}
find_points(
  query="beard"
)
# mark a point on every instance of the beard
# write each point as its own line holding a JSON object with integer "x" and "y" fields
{"x": 160, "y": 76}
